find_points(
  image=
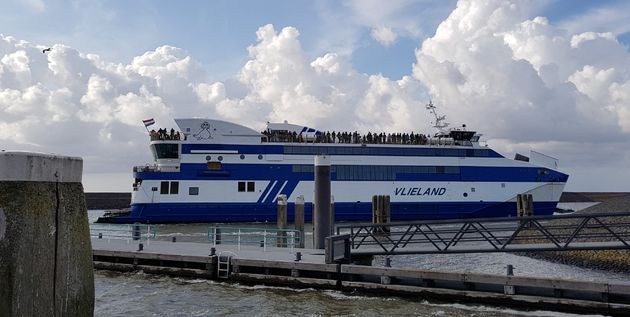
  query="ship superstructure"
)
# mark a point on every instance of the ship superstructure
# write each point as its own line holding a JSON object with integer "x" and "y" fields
{"x": 217, "y": 171}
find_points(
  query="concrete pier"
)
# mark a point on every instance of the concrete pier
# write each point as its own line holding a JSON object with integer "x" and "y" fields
{"x": 45, "y": 250}
{"x": 277, "y": 266}
{"x": 321, "y": 208}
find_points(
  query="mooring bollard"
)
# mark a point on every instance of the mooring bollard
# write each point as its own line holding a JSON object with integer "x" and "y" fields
{"x": 298, "y": 256}
{"x": 388, "y": 262}
{"x": 46, "y": 264}
{"x": 100, "y": 235}
{"x": 174, "y": 239}
{"x": 213, "y": 251}
{"x": 140, "y": 247}
{"x": 509, "y": 289}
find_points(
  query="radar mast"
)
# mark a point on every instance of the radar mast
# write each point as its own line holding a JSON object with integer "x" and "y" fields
{"x": 440, "y": 121}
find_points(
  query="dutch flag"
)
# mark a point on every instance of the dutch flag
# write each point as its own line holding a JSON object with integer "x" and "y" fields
{"x": 148, "y": 122}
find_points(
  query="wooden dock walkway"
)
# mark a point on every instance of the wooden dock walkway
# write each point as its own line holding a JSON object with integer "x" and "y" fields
{"x": 278, "y": 266}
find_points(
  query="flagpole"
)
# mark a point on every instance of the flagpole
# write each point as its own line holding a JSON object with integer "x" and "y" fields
{"x": 147, "y": 123}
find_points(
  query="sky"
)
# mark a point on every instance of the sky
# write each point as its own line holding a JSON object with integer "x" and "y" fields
{"x": 546, "y": 75}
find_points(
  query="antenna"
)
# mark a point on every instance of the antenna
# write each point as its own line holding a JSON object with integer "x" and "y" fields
{"x": 440, "y": 121}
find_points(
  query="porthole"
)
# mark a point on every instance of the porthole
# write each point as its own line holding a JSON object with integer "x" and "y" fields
{"x": 260, "y": 156}
{"x": 220, "y": 158}
{"x": 208, "y": 158}
{"x": 242, "y": 156}
{"x": 465, "y": 194}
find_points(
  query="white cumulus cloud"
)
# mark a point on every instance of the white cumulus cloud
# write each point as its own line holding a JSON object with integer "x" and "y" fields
{"x": 530, "y": 83}
{"x": 518, "y": 79}
{"x": 384, "y": 35}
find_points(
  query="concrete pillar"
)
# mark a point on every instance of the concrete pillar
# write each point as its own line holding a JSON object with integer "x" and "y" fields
{"x": 529, "y": 207}
{"x": 45, "y": 250}
{"x": 281, "y": 240}
{"x": 332, "y": 215}
{"x": 520, "y": 210}
{"x": 299, "y": 219}
{"x": 381, "y": 212}
{"x": 321, "y": 210}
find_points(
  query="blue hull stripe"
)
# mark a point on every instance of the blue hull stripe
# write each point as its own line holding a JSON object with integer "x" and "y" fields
{"x": 250, "y": 212}
{"x": 271, "y": 186}
{"x": 290, "y": 187}
{"x": 274, "y": 192}
{"x": 342, "y": 149}
{"x": 264, "y": 193}
{"x": 284, "y": 184}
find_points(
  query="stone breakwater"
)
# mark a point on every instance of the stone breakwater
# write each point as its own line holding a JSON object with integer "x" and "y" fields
{"x": 615, "y": 260}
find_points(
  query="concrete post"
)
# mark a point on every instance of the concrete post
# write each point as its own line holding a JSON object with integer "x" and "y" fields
{"x": 299, "y": 219}
{"x": 45, "y": 250}
{"x": 281, "y": 240}
{"x": 321, "y": 210}
{"x": 332, "y": 215}
{"x": 529, "y": 207}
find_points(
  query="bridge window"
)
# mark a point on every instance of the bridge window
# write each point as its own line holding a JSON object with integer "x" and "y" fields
{"x": 241, "y": 186}
{"x": 193, "y": 191}
{"x": 251, "y": 186}
{"x": 164, "y": 188}
{"x": 165, "y": 151}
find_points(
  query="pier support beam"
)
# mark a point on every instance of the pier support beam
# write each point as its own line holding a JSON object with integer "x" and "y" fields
{"x": 381, "y": 213}
{"x": 299, "y": 219}
{"x": 332, "y": 215}
{"x": 45, "y": 250}
{"x": 321, "y": 210}
{"x": 525, "y": 205}
{"x": 281, "y": 240}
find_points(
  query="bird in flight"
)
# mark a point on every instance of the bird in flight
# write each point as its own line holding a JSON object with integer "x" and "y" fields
{"x": 44, "y": 51}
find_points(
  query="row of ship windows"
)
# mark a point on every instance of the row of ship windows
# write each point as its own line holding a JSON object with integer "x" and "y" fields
{"x": 378, "y": 172}
{"x": 172, "y": 188}
{"x": 171, "y": 151}
{"x": 338, "y": 150}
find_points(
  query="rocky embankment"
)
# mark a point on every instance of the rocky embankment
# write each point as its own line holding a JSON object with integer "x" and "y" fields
{"x": 616, "y": 260}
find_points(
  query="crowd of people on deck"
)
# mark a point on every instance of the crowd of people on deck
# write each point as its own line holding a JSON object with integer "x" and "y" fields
{"x": 345, "y": 137}
{"x": 163, "y": 134}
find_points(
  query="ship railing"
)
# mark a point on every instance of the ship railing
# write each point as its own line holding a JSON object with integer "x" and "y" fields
{"x": 145, "y": 168}
{"x": 128, "y": 232}
{"x": 259, "y": 237}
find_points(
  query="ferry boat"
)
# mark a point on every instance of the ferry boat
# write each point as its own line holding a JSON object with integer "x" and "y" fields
{"x": 217, "y": 171}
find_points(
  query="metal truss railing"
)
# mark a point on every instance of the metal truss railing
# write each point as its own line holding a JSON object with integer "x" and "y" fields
{"x": 525, "y": 234}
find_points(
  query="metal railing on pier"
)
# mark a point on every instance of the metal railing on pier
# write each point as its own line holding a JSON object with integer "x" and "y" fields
{"x": 260, "y": 237}
{"x": 127, "y": 232}
{"x": 525, "y": 234}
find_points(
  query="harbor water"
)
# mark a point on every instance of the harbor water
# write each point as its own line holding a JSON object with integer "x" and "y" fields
{"x": 140, "y": 294}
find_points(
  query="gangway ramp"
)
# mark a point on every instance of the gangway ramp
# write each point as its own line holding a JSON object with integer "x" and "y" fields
{"x": 609, "y": 231}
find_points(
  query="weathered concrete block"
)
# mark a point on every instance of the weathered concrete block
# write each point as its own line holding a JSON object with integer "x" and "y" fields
{"x": 45, "y": 250}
